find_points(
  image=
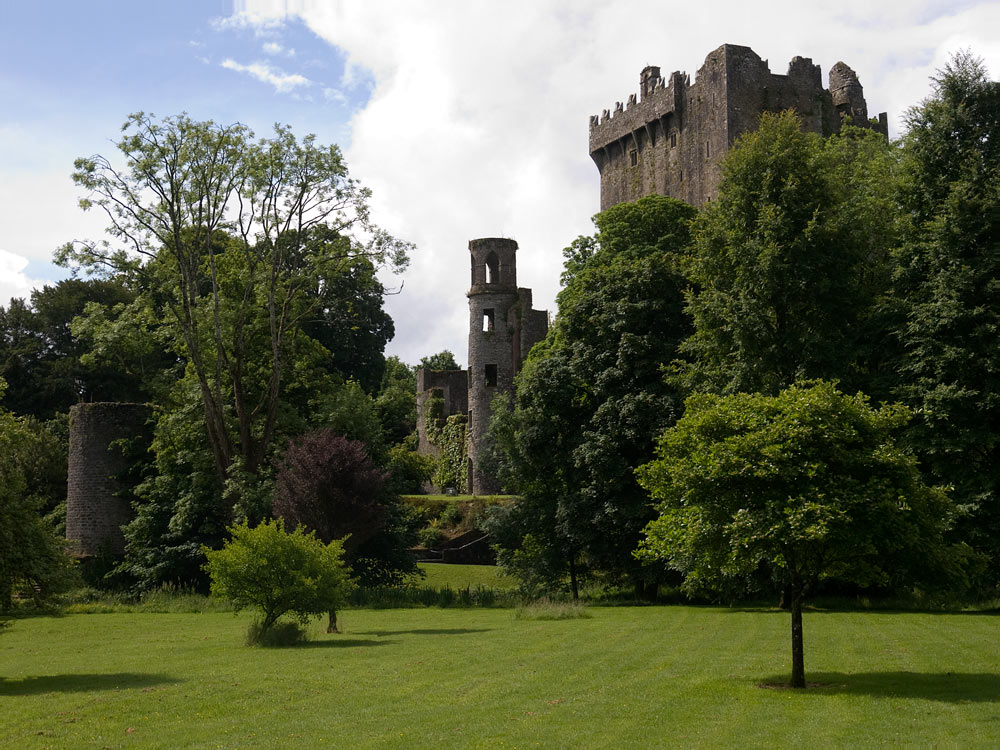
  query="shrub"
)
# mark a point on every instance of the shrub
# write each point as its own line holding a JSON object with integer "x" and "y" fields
{"x": 279, "y": 572}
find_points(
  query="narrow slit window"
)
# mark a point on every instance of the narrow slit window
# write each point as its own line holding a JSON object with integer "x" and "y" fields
{"x": 708, "y": 150}
{"x": 673, "y": 140}
{"x": 488, "y": 317}
{"x": 491, "y": 376}
{"x": 633, "y": 157}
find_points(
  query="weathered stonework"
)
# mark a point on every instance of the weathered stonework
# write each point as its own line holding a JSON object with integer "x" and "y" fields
{"x": 670, "y": 139}
{"x": 502, "y": 330}
{"x": 452, "y": 386}
{"x": 95, "y": 507}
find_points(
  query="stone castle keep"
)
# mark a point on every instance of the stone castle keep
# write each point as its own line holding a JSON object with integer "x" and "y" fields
{"x": 671, "y": 138}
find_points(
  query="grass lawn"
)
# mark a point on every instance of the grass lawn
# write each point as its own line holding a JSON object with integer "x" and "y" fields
{"x": 626, "y": 677}
{"x": 457, "y": 577}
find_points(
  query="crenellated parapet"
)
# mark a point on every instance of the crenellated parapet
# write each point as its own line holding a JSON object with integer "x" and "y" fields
{"x": 669, "y": 138}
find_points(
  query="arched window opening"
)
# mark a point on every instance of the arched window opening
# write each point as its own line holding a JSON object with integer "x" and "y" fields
{"x": 492, "y": 269}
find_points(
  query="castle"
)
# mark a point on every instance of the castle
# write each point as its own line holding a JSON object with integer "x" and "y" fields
{"x": 671, "y": 138}
{"x": 668, "y": 141}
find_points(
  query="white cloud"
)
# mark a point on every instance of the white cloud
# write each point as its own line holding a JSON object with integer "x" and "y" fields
{"x": 334, "y": 95}
{"x": 282, "y": 82}
{"x": 477, "y": 122}
{"x": 13, "y": 281}
{"x": 276, "y": 49}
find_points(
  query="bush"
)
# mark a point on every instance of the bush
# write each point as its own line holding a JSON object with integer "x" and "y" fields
{"x": 279, "y": 572}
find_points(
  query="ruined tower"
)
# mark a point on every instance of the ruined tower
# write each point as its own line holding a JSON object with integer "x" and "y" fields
{"x": 502, "y": 330}
{"x": 669, "y": 141}
{"x": 97, "y": 501}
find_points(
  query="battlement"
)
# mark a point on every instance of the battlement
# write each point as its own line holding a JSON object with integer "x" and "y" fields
{"x": 670, "y": 137}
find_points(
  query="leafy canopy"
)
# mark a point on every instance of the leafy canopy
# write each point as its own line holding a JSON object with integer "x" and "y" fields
{"x": 807, "y": 485}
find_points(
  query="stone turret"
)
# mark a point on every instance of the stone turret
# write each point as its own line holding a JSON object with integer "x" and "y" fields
{"x": 502, "y": 329}
{"x": 847, "y": 93}
{"x": 98, "y": 503}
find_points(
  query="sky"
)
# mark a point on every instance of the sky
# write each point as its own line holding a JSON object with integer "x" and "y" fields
{"x": 466, "y": 119}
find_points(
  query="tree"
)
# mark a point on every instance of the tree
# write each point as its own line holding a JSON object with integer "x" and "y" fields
{"x": 947, "y": 281}
{"x": 443, "y": 360}
{"x": 790, "y": 267}
{"x": 33, "y": 561}
{"x": 233, "y": 239}
{"x": 279, "y": 572}
{"x": 808, "y": 485}
{"x": 327, "y": 484}
{"x": 46, "y": 363}
{"x": 591, "y": 398}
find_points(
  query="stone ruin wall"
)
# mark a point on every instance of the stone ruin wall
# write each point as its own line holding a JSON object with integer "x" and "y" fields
{"x": 453, "y": 388}
{"x": 96, "y": 503}
{"x": 669, "y": 140}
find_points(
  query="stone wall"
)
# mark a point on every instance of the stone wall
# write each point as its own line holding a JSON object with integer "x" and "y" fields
{"x": 670, "y": 139}
{"x": 452, "y": 386}
{"x": 97, "y": 502}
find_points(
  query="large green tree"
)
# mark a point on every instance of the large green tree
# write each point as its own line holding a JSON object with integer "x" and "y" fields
{"x": 234, "y": 240}
{"x": 46, "y": 363}
{"x": 949, "y": 285}
{"x": 790, "y": 268}
{"x": 33, "y": 561}
{"x": 808, "y": 485}
{"x": 592, "y": 397}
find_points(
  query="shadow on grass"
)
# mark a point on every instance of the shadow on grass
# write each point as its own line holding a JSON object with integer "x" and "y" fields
{"x": 948, "y": 687}
{"x": 426, "y": 631}
{"x": 82, "y": 683}
{"x": 336, "y": 642}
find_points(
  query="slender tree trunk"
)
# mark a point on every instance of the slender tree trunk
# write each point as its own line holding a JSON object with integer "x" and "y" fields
{"x": 798, "y": 663}
{"x": 572, "y": 579}
{"x": 332, "y": 624}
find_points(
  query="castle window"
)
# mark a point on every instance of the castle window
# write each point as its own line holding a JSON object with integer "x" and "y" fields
{"x": 491, "y": 376}
{"x": 708, "y": 149}
{"x": 633, "y": 157}
{"x": 673, "y": 140}
{"x": 492, "y": 269}
{"x": 488, "y": 317}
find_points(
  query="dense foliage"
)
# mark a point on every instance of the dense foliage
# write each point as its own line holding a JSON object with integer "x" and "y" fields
{"x": 806, "y": 485}
{"x": 33, "y": 560}
{"x": 948, "y": 281}
{"x": 791, "y": 264}
{"x": 590, "y": 400}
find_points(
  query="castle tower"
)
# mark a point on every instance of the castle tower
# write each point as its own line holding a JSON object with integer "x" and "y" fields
{"x": 670, "y": 140}
{"x": 494, "y": 338}
{"x": 502, "y": 329}
{"x": 97, "y": 502}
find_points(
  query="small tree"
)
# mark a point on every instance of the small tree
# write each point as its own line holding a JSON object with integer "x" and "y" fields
{"x": 808, "y": 484}
{"x": 279, "y": 572}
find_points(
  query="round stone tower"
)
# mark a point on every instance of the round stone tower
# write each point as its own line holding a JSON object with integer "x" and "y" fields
{"x": 97, "y": 503}
{"x": 494, "y": 341}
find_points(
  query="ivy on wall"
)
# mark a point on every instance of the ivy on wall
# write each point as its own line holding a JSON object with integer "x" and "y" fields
{"x": 451, "y": 441}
